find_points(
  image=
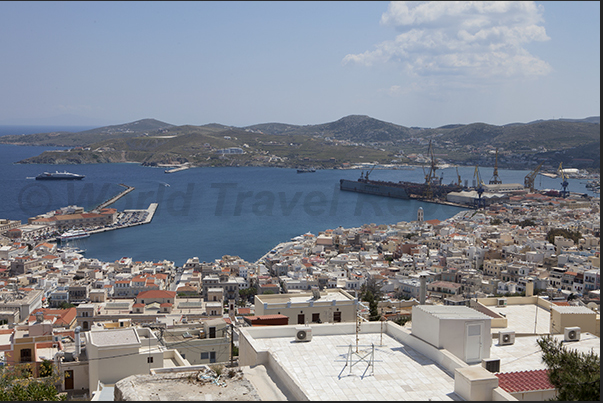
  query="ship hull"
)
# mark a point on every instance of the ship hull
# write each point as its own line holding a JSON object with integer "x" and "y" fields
{"x": 399, "y": 190}
{"x": 55, "y": 178}
{"x": 373, "y": 188}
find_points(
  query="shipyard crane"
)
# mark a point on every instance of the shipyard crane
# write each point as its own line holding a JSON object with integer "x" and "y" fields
{"x": 528, "y": 181}
{"x": 479, "y": 202}
{"x": 458, "y": 177}
{"x": 431, "y": 177}
{"x": 564, "y": 192}
{"x": 495, "y": 179}
{"x": 368, "y": 172}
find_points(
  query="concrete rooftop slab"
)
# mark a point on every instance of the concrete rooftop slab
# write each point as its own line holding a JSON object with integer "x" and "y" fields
{"x": 399, "y": 373}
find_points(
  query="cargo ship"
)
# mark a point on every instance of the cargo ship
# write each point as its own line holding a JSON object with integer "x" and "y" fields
{"x": 432, "y": 188}
{"x": 59, "y": 176}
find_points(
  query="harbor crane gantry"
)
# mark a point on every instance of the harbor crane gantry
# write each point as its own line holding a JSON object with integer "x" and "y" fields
{"x": 431, "y": 178}
{"x": 564, "y": 183}
{"x": 495, "y": 179}
{"x": 458, "y": 176}
{"x": 479, "y": 202}
{"x": 528, "y": 181}
{"x": 365, "y": 177}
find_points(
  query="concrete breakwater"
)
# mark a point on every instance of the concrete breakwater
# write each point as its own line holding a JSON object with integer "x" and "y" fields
{"x": 114, "y": 198}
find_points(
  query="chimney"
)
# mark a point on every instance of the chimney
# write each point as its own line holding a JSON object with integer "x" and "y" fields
{"x": 423, "y": 289}
{"x": 77, "y": 342}
{"x": 530, "y": 288}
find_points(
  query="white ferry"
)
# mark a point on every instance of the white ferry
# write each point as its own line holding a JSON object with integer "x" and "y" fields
{"x": 73, "y": 234}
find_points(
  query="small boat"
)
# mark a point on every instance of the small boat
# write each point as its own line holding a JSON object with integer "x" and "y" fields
{"x": 303, "y": 170}
{"x": 73, "y": 234}
{"x": 59, "y": 175}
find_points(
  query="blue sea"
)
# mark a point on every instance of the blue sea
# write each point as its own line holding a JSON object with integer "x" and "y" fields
{"x": 211, "y": 212}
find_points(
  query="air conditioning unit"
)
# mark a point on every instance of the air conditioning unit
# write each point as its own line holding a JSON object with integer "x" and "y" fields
{"x": 571, "y": 334}
{"x": 303, "y": 333}
{"x": 506, "y": 337}
{"x": 501, "y": 302}
{"x": 491, "y": 364}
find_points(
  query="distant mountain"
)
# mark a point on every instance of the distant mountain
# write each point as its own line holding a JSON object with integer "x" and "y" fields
{"x": 356, "y": 128}
{"x": 354, "y": 138}
{"x": 591, "y": 119}
{"x": 70, "y": 139}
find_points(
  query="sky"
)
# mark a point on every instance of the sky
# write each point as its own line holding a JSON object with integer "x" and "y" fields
{"x": 424, "y": 64}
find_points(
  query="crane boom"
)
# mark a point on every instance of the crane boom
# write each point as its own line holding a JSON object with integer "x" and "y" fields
{"x": 528, "y": 181}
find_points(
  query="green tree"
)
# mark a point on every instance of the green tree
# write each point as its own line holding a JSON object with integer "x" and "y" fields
{"x": 566, "y": 233}
{"x": 16, "y": 384}
{"x": 575, "y": 375}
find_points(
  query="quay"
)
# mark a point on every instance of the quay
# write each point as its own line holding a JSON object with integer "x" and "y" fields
{"x": 443, "y": 202}
{"x": 150, "y": 213}
{"x": 115, "y": 198}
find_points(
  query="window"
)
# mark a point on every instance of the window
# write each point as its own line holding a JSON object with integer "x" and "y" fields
{"x": 150, "y": 360}
{"x": 316, "y": 317}
{"x": 26, "y": 355}
{"x": 204, "y": 356}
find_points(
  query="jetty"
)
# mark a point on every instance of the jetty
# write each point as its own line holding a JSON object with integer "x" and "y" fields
{"x": 114, "y": 198}
{"x": 177, "y": 169}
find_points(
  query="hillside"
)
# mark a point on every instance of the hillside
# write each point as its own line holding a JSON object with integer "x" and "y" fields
{"x": 354, "y": 138}
{"x": 81, "y": 139}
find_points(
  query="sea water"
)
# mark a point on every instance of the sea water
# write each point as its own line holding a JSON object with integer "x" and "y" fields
{"x": 211, "y": 212}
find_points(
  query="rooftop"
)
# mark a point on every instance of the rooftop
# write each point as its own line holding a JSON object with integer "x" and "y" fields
{"x": 523, "y": 318}
{"x": 116, "y": 337}
{"x": 525, "y": 354}
{"x": 319, "y": 367}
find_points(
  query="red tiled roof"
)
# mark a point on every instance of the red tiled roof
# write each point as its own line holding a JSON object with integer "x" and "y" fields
{"x": 156, "y": 294}
{"x": 244, "y": 311}
{"x": 523, "y": 381}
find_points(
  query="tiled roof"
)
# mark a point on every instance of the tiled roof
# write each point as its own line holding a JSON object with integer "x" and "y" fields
{"x": 156, "y": 294}
{"x": 523, "y": 381}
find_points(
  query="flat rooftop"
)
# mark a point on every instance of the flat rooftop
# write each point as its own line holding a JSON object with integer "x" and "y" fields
{"x": 525, "y": 354}
{"x": 399, "y": 372}
{"x": 325, "y": 296}
{"x": 522, "y": 318}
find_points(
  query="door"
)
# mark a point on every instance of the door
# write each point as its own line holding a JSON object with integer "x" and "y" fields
{"x": 69, "y": 379}
{"x": 212, "y": 357}
{"x": 473, "y": 346}
{"x": 336, "y": 316}
{"x": 300, "y": 319}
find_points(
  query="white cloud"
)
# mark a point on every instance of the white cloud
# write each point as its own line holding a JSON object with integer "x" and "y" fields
{"x": 473, "y": 39}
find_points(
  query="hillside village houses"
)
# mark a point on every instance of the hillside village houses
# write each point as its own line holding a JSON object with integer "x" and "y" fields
{"x": 58, "y": 305}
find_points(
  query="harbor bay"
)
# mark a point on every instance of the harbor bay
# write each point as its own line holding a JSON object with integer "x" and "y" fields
{"x": 211, "y": 212}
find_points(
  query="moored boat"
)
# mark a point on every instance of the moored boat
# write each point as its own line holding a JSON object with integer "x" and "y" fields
{"x": 73, "y": 234}
{"x": 59, "y": 176}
